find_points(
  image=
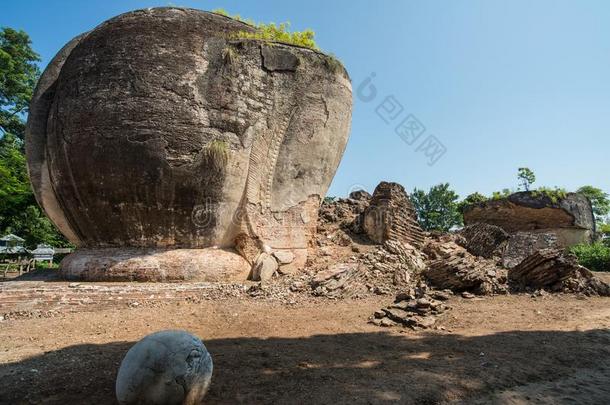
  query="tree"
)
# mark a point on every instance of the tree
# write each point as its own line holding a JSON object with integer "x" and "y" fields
{"x": 19, "y": 212}
{"x": 438, "y": 209}
{"x": 18, "y": 76}
{"x": 600, "y": 201}
{"x": 526, "y": 178}
{"x": 472, "y": 199}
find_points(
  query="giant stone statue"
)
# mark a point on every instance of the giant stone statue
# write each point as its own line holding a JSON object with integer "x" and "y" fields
{"x": 160, "y": 138}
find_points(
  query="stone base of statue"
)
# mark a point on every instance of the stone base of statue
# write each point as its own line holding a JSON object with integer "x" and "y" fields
{"x": 159, "y": 265}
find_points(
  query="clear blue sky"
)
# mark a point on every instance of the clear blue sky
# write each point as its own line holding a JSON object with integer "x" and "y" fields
{"x": 502, "y": 84}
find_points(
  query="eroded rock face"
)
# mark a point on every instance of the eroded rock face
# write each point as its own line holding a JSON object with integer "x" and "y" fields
{"x": 159, "y": 129}
{"x": 535, "y": 222}
{"x": 527, "y": 211}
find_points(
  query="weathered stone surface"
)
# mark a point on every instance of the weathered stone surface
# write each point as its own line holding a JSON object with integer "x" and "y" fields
{"x": 452, "y": 267}
{"x": 360, "y": 195}
{"x": 483, "y": 240}
{"x": 277, "y": 59}
{"x": 332, "y": 272}
{"x": 145, "y": 264}
{"x": 248, "y": 247}
{"x": 158, "y": 129}
{"x": 284, "y": 256}
{"x": 521, "y": 245}
{"x": 543, "y": 268}
{"x": 167, "y": 367}
{"x": 554, "y": 269}
{"x": 264, "y": 268}
{"x": 570, "y": 217}
{"x": 390, "y": 216}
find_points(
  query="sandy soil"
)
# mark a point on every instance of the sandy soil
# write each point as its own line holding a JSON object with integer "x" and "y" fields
{"x": 504, "y": 349}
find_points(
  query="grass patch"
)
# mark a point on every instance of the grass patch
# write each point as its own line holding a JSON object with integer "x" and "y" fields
{"x": 217, "y": 154}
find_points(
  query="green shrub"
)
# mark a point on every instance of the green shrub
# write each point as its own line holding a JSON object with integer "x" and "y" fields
{"x": 554, "y": 194}
{"x": 594, "y": 256}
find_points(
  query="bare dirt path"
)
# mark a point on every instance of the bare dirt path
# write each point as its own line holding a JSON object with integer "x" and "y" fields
{"x": 503, "y": 349}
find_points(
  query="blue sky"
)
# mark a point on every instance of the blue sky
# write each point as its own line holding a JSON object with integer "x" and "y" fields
{"x": 500, "y": 84}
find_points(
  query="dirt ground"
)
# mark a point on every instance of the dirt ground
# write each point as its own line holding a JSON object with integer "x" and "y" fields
{"x": 62, "y": 343}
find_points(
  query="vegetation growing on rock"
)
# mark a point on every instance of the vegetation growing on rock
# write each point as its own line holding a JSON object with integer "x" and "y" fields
{"x": 281, "y": 33}
{"x": 554, "y": 194}
{"x": 274, "y": 33}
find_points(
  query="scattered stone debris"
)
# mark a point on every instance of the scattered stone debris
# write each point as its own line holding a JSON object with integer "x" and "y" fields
{"x": 452, "y": 267}
{"x": 415, "y": 309}
{"x": 343, "y": 262}
{"x": 558, "y": 271}
{"x": 383, "y": 270}
{"x": 344, "y": 213}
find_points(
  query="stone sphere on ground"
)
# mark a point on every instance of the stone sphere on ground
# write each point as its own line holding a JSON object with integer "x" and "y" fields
{"x": 164, "y": 132}
{"x": 167, "y": 367}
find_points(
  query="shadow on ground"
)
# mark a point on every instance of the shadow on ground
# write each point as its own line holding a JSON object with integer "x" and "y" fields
{"x": 344, "y": 368}
{"x": 34, "y": 275}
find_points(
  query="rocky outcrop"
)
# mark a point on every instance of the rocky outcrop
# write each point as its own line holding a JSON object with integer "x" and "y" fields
{"x": 159, "y": 129}
{"x": 570, "y": 217}
{"x": 533, "y": 221}
{"x": 391, "y": 216}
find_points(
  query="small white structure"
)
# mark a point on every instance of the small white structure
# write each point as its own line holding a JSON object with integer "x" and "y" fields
{"x": 43, "y": 253}
{"x": 12, "y": 245}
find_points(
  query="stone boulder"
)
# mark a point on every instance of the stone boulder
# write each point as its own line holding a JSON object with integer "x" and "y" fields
{"x": 570, "y": 218}
{"x": 391, "y": 216}
{"x": 161, "y": 129}
{"x": 167, "y": 367}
